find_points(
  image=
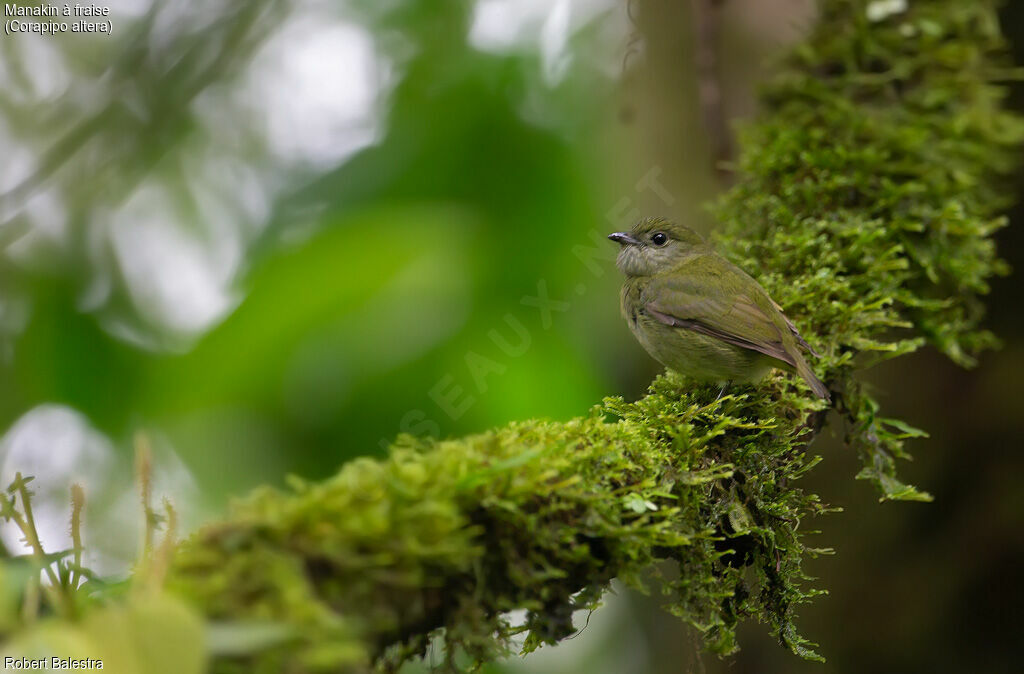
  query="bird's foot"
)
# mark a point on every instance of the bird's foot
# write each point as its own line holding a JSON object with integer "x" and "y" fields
{"x": 721, "y": 391}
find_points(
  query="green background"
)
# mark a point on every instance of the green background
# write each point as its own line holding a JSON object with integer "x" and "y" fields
{"x": 364, "y": 289}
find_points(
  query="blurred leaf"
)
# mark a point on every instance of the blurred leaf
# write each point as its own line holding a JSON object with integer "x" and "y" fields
{"x": 147, "y": 635}
{"x": 241, "y": 638}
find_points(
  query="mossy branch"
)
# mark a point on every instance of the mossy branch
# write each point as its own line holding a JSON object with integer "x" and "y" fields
{"x": 868, "y": 197}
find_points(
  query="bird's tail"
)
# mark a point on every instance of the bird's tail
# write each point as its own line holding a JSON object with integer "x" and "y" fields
{"x": 805, "y": 371}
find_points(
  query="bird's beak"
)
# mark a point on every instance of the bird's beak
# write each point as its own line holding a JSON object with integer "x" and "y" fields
{"x": 623, "y": 238}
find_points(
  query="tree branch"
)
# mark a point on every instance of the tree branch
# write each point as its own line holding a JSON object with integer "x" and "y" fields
{"x": 868, "y": 198}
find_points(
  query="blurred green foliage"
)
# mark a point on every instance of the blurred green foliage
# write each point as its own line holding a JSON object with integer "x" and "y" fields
{"x": 373, "y": 278}
{"x": 874, "y": 247}
{"x": 370, "y": 282}
{"x": 145, "y": 635}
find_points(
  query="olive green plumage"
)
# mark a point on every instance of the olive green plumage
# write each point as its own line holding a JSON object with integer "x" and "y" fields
{"x": 701, "y": 315}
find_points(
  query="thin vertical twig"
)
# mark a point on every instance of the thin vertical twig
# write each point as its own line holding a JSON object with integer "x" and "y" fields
{"x": 144, "y": 478}
{"x": 77, "y": 506}
{"x": 27, "y": 524}
{"x": 29, "y": 528}
{"x": 164, "y": 554}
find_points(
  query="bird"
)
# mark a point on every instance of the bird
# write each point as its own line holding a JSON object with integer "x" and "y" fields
{"x": 699, "y": 314}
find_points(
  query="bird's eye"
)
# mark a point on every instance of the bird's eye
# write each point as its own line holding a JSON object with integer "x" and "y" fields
{"x": 659, "y": 238}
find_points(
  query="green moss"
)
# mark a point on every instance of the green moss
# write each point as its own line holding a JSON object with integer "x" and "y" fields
{"x": 868, "y": 199}
{"x": 872, "y": 193}
{"x": 538, "y": 515}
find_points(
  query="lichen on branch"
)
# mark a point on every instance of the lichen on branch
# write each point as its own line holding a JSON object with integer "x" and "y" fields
{"x": 868, "y": 194}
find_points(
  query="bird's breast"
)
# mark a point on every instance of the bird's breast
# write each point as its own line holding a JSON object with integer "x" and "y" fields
{"x": 687, "y": 351}
{"x": 632, "y": 308}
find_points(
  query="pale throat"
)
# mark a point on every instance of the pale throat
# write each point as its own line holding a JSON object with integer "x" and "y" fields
{"x": 646, "y": 261}
{"x": 633, "y": 262}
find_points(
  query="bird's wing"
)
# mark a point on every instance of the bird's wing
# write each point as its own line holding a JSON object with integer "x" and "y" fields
{"x": 796, "y": 334}
{"x": 703, "y": 303}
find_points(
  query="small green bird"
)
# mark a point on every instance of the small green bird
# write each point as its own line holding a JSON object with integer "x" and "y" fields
{"x": 701, "y": 315}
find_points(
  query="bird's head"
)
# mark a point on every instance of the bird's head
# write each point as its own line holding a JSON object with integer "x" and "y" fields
{"x": 654, "y": 245}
